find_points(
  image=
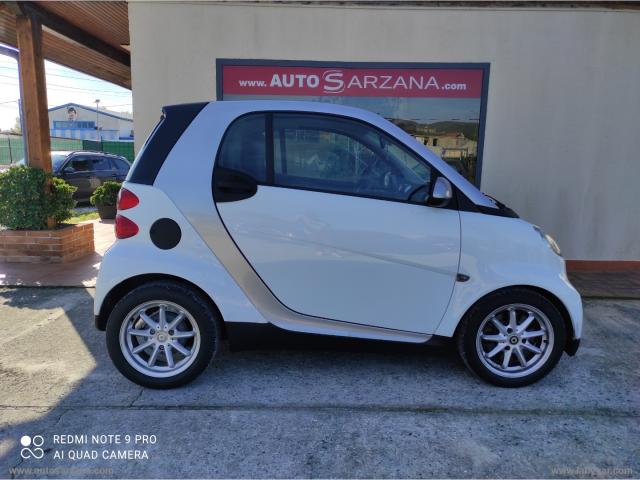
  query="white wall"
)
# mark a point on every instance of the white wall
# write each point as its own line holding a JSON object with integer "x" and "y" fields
{"x": 563, "y": 106}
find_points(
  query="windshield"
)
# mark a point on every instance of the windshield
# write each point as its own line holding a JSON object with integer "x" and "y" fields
{"x": 57, "y": 159}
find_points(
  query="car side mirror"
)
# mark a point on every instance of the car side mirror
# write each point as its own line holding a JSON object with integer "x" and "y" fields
{"x": 68, "y": 170}
{"x": 442, "y": 193}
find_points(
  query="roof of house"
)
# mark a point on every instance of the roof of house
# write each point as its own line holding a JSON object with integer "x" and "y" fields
{"x": 118, "y": 115}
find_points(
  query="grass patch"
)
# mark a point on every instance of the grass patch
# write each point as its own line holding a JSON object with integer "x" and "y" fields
{"x": 83, "y": 217}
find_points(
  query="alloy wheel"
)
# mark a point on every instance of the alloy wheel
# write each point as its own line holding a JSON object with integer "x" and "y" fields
{"x": 515, "y": 340}
{"x": 159, "y": 338}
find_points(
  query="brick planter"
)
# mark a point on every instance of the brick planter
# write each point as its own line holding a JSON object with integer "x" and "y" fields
{"x": 47, "y": 246}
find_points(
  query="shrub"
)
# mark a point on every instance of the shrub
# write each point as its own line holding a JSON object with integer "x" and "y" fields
{"x": 24, "y": 205}
{"x": 106, "y": 194}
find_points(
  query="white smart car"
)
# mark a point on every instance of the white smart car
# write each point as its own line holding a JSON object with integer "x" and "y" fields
{"x": 251, "y": 220}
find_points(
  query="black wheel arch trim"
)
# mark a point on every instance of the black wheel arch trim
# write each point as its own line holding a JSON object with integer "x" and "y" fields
{"x": 571, "y": 343}
{"x": 121, "y": 289}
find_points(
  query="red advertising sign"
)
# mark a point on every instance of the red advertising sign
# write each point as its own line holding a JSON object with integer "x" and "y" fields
{"x": 442, "y": 105}
{"x": 352, "y": 82}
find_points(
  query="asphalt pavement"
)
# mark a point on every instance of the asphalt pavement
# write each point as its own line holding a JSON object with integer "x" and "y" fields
{"x": 309, "y": 413}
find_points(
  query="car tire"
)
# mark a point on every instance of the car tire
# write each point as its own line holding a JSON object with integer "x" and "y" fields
{"x": 174, "y": 356}
{"x": 511, "y": 354}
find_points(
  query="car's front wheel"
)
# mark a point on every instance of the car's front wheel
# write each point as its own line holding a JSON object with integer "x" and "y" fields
{"x": 512, "y": 338}
{"x": 162, "y": 334}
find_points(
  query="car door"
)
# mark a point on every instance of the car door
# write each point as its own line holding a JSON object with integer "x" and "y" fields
{"x": 338, "y": 227}
{"x": 102, "y": 170}
{"x": 77, "y": 172}
{"x": 122, "y": 168}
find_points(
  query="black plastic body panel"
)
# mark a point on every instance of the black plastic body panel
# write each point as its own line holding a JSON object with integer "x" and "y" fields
{"x": 257, "y": 336}
{"x": 231, "y": 185}
{"x": 466, "y": 205}
{"x": 165, "y": 233}
{"x": 175, "y": 120}
{"x": 572, "y": 346}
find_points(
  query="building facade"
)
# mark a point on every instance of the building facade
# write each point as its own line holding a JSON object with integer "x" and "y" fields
{"x": 548, "y": 126}
{"x": 85, "y": 123}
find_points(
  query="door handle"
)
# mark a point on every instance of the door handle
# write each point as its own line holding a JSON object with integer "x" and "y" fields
{"x": 231, "y": 185}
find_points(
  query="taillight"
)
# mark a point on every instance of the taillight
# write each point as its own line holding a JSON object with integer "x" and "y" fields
{"x": 126, "y": 199}
{"x": 125, "y": 228}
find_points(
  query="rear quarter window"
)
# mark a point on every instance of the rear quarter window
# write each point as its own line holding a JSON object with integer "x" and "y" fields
{"x": 243, "y": 147}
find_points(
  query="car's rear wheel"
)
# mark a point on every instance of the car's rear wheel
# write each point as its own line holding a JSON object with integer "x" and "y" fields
{"x": 512, "y": 338}
{"x": 162, "y": 334}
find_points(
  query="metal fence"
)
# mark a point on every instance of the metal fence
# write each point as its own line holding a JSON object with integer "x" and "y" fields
{"x": 12, "y": 149}
{"x": 124, "y": 149}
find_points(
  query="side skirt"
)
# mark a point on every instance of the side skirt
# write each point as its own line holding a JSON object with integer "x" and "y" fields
{"x": 259, "y": 336}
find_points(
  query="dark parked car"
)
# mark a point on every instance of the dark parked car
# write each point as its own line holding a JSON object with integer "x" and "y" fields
{"x": 87, "y": 170}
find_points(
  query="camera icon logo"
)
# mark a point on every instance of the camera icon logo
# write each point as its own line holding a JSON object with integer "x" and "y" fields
{"x": 31, "y": 446}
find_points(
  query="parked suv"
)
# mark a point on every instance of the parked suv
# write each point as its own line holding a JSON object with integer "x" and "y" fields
{"x": 256, "y": 220}
{"x": 87, "y": 170}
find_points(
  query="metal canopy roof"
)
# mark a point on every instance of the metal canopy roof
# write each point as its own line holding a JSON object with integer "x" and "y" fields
{"x": 91, "y": 37}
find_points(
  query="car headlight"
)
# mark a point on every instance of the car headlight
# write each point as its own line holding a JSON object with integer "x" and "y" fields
{"x": 550, "y": 241}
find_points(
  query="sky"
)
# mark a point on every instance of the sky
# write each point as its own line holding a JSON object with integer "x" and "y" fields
{"x": 64, "y": 85}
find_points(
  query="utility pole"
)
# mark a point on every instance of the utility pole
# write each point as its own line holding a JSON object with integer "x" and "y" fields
{"x": 97, "y": 102}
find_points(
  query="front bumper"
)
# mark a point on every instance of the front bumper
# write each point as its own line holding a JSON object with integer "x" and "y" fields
{"x": 572, "y": 347}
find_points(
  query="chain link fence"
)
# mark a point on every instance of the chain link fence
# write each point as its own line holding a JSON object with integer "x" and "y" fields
{"x": 12, "y": 148}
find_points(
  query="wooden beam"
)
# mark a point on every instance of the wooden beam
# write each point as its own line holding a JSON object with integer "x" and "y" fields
{"x": 63, "y": 27}
{"x": 33, "y": 87}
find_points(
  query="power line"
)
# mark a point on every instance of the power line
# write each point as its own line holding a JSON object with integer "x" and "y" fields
{"x": 105, "y": 92}
{"x": 120, "y": 105}
{"x": 89, "y": 79}
{"x": 51, "y": 105}
{"x": 52, "y": 67}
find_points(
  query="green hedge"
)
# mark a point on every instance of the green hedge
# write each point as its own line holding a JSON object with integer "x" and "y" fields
{"x": 106, "y": 194}
{"x": 24, "y": 204}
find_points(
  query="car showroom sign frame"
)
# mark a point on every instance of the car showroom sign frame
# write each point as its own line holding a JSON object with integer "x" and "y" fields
{"x": 442, "y": 103}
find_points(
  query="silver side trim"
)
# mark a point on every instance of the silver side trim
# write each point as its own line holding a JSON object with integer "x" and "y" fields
{"x": 271, "y": 308}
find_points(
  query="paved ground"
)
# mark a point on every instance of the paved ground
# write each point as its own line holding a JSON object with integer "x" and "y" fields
{"x": 620, "y": 284}
{"x": 316, "y": 413}
{"x": 78, "y": 273}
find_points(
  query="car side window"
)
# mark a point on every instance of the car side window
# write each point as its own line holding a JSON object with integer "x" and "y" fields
{"x": 333, "y": 154}
{"x": 120, "y": 164}
{"x": 100, "y": 163}
{"x": 80, "y": 164}
{"x": 244, "y": 147}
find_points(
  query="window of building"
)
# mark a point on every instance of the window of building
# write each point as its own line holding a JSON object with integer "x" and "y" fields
{"x": 243, "y": 147}
{"x": 67, "y": 124}
{"x": 423, "y": 99}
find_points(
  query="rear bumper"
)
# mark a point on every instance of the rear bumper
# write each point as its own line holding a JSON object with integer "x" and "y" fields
{"x": 572, "y": 347}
